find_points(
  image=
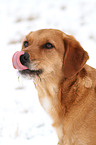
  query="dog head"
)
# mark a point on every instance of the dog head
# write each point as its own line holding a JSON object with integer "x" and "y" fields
{"x": 50, "y": 52}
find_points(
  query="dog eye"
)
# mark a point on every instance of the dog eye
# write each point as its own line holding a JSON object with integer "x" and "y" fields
{"x": 48, "y": 46}
{"x": 25, "y": 44}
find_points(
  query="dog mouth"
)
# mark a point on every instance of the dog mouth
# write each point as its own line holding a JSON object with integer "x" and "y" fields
{"x": 31, "y": 72}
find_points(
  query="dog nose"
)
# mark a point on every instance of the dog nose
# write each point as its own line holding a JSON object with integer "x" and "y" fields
{"x": 24, "y": 58}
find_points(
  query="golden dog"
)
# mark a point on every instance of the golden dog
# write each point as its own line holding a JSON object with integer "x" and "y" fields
{"x": 66, "y": 85}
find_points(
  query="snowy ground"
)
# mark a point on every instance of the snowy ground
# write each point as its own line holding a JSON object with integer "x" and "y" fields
{"x": 22, "y": 119}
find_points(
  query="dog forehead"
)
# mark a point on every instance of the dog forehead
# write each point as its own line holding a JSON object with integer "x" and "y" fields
{"x": 45, "y": 34}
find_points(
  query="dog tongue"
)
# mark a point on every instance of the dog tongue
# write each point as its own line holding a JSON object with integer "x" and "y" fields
{"x": 16, "y": 61}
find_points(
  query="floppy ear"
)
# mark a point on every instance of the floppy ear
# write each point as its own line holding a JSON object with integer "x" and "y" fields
{"x": 75, "y": 57}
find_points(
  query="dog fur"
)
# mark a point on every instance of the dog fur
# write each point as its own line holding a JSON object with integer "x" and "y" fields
{"x": 67, "y": 85}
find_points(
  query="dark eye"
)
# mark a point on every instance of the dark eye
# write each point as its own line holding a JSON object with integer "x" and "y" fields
{"x": 48, "y": 46}
{"x": 25, "y": 44}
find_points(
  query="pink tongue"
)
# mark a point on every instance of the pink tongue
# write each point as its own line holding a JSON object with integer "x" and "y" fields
{"x": 16, "y": 61}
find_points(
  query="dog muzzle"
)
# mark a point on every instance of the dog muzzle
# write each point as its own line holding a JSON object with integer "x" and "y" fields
{"x": 20, "y": 59}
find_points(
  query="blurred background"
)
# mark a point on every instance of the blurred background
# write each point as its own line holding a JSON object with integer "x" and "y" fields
{"x": 22, "y": 119}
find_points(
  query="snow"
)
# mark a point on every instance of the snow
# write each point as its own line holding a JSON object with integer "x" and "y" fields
{"x": 22, "y": 119}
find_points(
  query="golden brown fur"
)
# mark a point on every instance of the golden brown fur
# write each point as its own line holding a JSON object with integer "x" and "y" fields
{"x": 66, "y": 87}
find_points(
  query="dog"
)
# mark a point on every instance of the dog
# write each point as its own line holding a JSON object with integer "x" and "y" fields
{"x": 66, "y": 85}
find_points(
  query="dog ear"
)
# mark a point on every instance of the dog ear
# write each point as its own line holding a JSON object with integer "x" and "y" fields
{"x": 74, "y": 58}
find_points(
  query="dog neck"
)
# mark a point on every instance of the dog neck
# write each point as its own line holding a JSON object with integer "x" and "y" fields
{"x": 58, "y": 97}
{"x": 48, "y": 91}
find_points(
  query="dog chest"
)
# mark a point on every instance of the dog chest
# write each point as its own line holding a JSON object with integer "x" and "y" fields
{"x": 46, "y": 104}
